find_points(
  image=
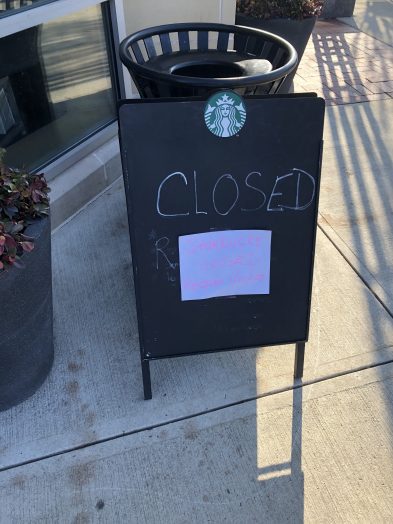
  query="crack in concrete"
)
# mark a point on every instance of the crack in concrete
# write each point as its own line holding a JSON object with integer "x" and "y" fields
{"x": 298, "y": 384}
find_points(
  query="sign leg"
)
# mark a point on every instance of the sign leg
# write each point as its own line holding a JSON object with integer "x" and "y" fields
{"x": 299, "y": 359}
{"x": 146, "y": 379}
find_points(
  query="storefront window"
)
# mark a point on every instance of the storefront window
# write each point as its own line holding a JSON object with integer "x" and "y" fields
{"x": 56, "y": 87}
{"x": 12, "y": 5}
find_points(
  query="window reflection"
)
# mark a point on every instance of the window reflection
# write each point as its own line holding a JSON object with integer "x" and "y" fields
{"x": 12, "y": 5}
{"x": 55, "y": 87}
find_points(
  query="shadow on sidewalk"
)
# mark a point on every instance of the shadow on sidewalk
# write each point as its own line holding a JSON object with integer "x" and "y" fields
{"x": 359, "y": 207}
{"x": 283, "y": 483}
{"x": 375, "y": 18}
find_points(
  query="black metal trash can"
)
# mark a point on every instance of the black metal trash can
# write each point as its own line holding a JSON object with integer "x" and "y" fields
{"x": 193, "y": 59}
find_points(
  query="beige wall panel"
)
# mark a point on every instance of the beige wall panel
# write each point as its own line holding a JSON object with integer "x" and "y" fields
{"x": 228, "y": 11}
{"x": 140, "y": 14}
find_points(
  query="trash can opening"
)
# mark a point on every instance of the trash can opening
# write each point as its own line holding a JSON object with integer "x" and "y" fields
{"x": 208, "y": 70}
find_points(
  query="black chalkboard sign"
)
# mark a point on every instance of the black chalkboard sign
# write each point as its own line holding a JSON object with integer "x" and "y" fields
{"x": 222, "y": 228}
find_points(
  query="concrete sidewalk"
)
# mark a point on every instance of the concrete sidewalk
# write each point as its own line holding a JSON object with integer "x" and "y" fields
{"x": 227, "y": 437}
{"x": 373, "y": 18}
{"x": 321, "y": 453}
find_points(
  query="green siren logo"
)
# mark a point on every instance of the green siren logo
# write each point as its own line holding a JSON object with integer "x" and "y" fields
{"x": 225, "y": 114}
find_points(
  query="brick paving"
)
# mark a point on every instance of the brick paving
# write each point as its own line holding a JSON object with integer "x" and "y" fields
{"x": 345, "y": 66}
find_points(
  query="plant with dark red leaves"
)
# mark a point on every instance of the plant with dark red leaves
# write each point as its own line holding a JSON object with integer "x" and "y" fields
{"x": 295, "y": 9}
{"x": 23, "y": 199}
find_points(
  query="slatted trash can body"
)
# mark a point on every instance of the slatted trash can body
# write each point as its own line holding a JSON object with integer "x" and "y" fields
{"x": 182, "y": 60}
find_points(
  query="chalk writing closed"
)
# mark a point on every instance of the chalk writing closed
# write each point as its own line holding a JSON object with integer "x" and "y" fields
{"x": 293, "y": 191}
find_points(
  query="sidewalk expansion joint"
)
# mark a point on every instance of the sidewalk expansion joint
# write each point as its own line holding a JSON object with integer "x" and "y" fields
{"x": 358, "y": 273}
{"x": 298, "y": 384}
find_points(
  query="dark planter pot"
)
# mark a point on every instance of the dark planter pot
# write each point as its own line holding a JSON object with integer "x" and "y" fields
{"x": 26, "y": 321}
{"x": 337, "y": 8}
{"x": 296, "y": 32}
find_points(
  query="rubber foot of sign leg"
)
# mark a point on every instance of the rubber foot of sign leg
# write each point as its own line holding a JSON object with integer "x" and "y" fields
{"x": 299, "y": 359}
{"x": 146, "y": 380}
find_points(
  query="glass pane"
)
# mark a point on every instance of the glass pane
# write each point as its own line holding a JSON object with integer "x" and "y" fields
{"x": 55, "y": 87}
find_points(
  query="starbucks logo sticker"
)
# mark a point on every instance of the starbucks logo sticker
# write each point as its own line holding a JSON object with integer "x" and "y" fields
{"x": 225, "y": 114}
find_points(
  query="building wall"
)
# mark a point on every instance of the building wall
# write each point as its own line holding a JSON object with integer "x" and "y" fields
{"x": 140, "y": 14}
